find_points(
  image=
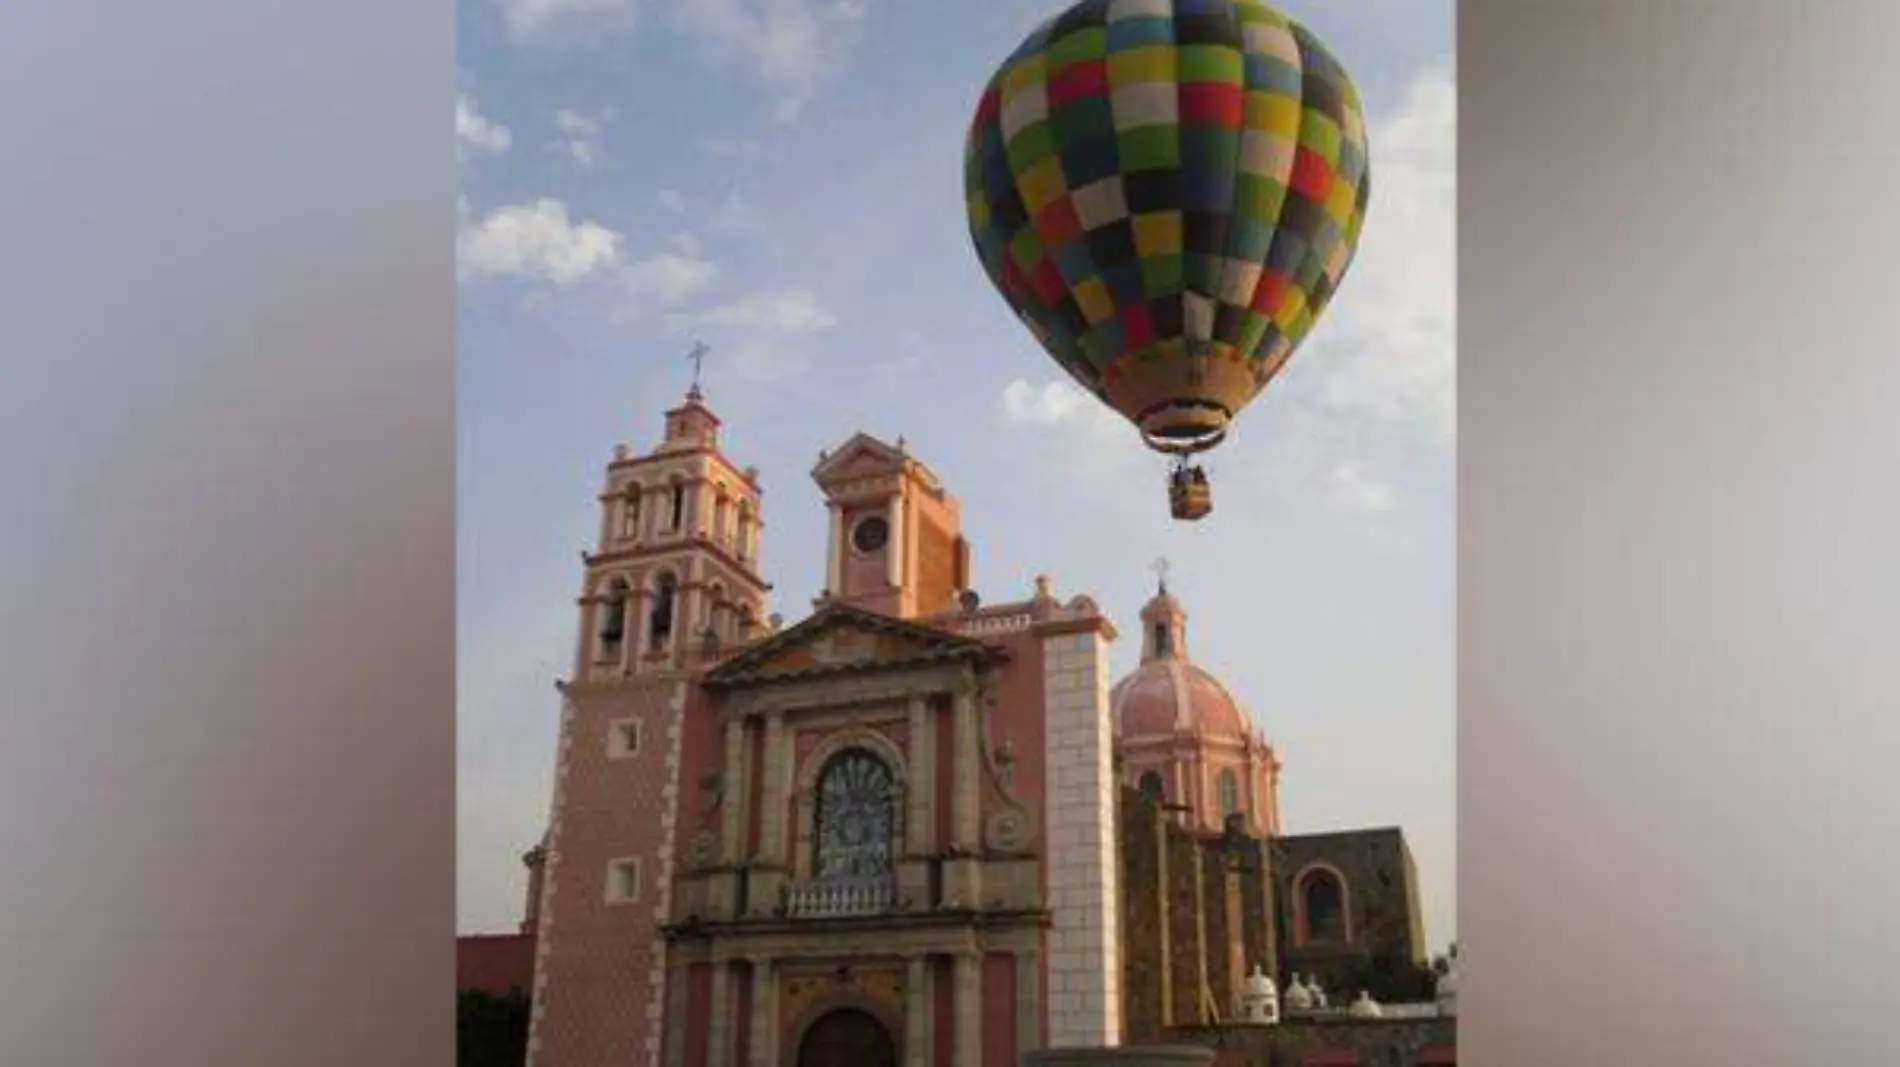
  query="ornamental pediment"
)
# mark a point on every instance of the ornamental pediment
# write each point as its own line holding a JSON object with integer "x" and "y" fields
{"x": 863, "y": 456}
{"x": 839, "y": 640}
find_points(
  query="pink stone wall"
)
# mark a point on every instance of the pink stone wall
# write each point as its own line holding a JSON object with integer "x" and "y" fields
{"x": 594, "y": 975}
{"x": 698, "y": 1012}
{"x": 999, "y": 1010}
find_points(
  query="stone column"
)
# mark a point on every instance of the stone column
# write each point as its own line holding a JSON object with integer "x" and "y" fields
{"x": 764, "y": 1012}
{"x": 719, "y": 1018}
{"x": 634, "y": 642}
{"x": 964, "y": 763}
{"x": 1028, "y": 1001}
{"x": 1236, "y": 962}
{"x": 918, "y": 1015}
{"x": 960, "y": 875}
{"x": 773, "y": 772}
{"x": 772, "y": 790}
{"x": 834, "y": 551}
{"x": 913, "y": 872}
{"x": 967, "y": 1007}
{"x": 732, "y": 824}
{"x": 894, "y": 547}
{"x": 922, "y": 792}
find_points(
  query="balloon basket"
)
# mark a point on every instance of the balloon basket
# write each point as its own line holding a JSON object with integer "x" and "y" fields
{"x": 1190, "y": 498}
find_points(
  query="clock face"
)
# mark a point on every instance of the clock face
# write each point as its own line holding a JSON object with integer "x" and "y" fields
{"x": 871, "y": 535}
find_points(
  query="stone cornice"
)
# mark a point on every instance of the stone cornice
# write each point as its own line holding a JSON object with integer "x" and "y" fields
{"x": 890, "y": 934}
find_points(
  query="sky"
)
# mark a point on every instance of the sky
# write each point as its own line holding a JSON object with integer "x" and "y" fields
{"x": 783, "y": 179}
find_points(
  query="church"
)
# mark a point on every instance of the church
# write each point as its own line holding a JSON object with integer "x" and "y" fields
{"x": 913, "y": 828}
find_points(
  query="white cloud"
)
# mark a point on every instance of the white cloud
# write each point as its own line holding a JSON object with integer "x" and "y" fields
{"x": 475, "y": 131}
{"x": 582, "y": 135}
{"x": 668, "y": 279}
{"x": 1357, "y": 488}
{"x": 671, "y": 200}
{"x": 782, "y": 312}
{"x": 1388, "y": 346}
{"x": 735, "y": 148}
{"x": 542, "y": 18}
{"x": 1057, "y": 403}
{"x": 793, "y": 48}
{"x": 735, "y": 216}
{"x": 537, "y": 241}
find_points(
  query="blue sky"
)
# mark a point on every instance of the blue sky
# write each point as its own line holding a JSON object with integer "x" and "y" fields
{"x": 782, "y": 178}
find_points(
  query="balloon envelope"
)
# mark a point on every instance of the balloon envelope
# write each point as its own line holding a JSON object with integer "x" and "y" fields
{"x": 1168, "y": 193}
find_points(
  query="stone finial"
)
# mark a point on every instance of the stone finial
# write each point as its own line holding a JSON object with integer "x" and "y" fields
{"x": 1298, "y": 996}
{"x": 776, "y": 621}
{"x": 1259, "y": 1002}
{"x": 1045, "y": 588}
{"x": 1365, "y": 1007}
{"x": 1447, "y": 985}
{"x": 622, "y": 451}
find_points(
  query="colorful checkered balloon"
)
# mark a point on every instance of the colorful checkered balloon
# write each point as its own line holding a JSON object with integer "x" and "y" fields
{"x": 1168, "y": 193}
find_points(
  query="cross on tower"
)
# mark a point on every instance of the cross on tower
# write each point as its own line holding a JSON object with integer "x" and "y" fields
{"x": 698, "y": 356}
{"x": 1160, "y": 567}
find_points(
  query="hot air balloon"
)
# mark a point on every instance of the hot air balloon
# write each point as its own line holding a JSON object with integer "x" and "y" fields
{"x": 1168, "y": 193}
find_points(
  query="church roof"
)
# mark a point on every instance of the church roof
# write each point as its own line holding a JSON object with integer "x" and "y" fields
{"x": 1173, "y": 696}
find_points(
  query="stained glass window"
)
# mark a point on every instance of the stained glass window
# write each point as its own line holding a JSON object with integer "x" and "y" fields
{"x": 856, "y": 819}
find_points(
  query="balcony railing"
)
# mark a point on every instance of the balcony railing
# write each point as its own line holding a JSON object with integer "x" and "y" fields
{"x": 818, "y": 900}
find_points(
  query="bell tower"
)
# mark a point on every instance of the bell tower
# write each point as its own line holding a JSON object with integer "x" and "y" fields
{"x": 674, "y": 577}
{"x": 1163, "y": 623}
{"x": 896, "y": 545}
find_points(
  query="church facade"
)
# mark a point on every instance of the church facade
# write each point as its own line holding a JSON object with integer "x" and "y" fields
{"x": 912, "y": 828}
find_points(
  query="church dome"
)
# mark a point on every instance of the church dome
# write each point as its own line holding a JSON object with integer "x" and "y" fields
{"x": 1168, "y": 695}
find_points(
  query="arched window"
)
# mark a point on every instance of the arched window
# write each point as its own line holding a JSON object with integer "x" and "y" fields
{"x": 1228, "y": 789}
{"x": 613, "y": 617}
{"x": 1151, "y": 787}
{"x": 855, "y": 828}
{"x": 1323, "y": 904}
{"x": 660, "y": 624}
{"x": 630, "y": 512}
{"x": 679, "y": 503}
{"x": 1164, "y": 640}
{"x": 722, "y": 510}
{"x": 742, "y": 537}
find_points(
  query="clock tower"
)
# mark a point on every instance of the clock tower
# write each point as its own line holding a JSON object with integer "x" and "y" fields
{"x": 896, "y": 545}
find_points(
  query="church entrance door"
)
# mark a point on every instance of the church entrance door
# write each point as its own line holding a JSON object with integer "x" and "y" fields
{"x": 847, "y": 1038}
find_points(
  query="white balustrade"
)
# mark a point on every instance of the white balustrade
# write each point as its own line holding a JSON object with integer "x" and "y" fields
{"x": 828, "y": 899}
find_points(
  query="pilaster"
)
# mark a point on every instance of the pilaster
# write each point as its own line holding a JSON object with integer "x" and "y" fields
{"x": 719, "y": 1018}
{"x": 1028, "y": 1001}
{"x": 764, "y": 1040}
{"x": 967, "y": 1008}
{"x": 918, "y": 1039}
